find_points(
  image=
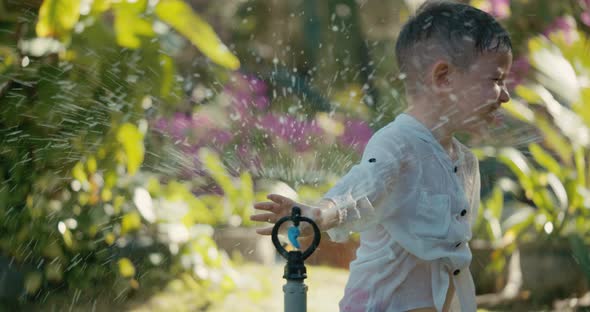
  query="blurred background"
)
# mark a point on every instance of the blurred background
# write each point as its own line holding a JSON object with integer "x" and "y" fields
{"x": 135, "y": 135}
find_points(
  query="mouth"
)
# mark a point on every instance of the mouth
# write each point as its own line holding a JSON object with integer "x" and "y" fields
{"x": 494, "y": 116}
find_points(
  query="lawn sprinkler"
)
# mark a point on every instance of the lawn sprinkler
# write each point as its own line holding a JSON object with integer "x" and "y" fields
{"x": 295, "y": 290}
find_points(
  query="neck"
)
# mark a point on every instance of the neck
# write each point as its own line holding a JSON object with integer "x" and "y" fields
{"x": 435, "y": 121}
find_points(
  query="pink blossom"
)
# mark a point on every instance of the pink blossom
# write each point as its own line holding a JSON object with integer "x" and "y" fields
{"x": 500, "y": 8}
{"x": 300, "y": 133}
{"x": 519, "y": 70}
{"x": 565, "y": 24}
{"x": 356, "y": 134}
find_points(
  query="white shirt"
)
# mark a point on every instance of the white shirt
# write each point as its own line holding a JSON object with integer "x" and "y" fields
{"x": 415, "y": 213}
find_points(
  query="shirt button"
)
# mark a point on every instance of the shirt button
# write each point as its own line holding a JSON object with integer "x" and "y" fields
{"x": 458, "y": 244}
{"x": 455, "y": 169}
{"x": 456, "y": 272}
{"x": 463, "y": 212}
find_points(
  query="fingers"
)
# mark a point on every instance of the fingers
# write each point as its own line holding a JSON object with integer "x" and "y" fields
{"x": 268, "y": 206}
{"x": 280, "y": 199}
{"x": 265, "y": 217}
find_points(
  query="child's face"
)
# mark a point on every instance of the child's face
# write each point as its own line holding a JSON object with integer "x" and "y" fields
{"x": 476, "y": 93}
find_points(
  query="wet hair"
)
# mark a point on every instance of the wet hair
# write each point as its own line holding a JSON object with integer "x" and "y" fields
{"x": 459, "y": 31}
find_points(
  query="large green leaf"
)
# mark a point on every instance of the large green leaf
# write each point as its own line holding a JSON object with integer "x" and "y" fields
{"x": 519, "y": 165}
{"x": 520, "y": 111}
{"x": 182, "y": 18}
{"x": 57, "y": 17}
{"x": 546, "y": 160}
{"x": 553, "y": 70}
{"x": 131, "y": 23}
{"x": 555, "y": 140}
{"x": 132, "y": 140}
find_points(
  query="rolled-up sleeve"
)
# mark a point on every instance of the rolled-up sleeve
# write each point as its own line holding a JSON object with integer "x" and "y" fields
{"x": 359, "y": 194}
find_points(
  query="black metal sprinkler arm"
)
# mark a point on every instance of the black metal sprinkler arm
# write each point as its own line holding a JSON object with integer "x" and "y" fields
{"x": 295, "y": 271}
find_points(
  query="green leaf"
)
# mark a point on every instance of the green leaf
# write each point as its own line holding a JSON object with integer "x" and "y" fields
{"x": 519, "y": 111}
{"x": 519, "y": 165}
{"x": 132, "y": 140}
{"x": 33, "y": 282}
{"x": 580, "y": 162}
{"x": 78, "y": 172}
{"x": 130, "y": 222}
{"x": 126, "y": 268}
{"x": 581, "y": 253}
{"x": 546, "y": 160}
{"x": 527, "y": 94}
{"x": 555, "y": 140}
{"x": 130, "y": 23}
{"x": 168, "y": 70}
{"x": 247, "y": 197}
{"x": 57, "y": 18}
{"x": 99, "y": 6}
{"x": 520, "y": 220}
{"x": 215, "y": 168}
{"x": 553, "y": 70}
{"x": 496, "y": 202}
{"x": 181, "y": 17}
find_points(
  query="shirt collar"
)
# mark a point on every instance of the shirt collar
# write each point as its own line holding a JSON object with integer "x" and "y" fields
{"x": 419, "y": 130}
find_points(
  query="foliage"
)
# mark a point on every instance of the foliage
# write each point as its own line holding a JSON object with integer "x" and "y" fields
{"x": 78, "y": 84}
{"x": 551, "y": 180}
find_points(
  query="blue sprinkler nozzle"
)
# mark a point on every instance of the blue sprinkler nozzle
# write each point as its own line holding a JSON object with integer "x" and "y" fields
{"x": 293, "y": 233}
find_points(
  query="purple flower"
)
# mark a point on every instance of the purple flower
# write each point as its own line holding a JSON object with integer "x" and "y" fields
{"x": 219, "y": 137}
{"x": 300, "y": 133}
{"x": 565, "y": 24}
{"x": 519, "y": 70}
{"x": 585, "y": 17}
{"x": 356, "y": 134}
{"x": 500, "y": 8}
{"x": 248, "y": 90}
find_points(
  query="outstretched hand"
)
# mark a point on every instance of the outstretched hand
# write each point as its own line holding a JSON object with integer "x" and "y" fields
{"x": 279, "y": 207}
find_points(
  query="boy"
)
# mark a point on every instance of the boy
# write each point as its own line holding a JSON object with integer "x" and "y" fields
{"x": 414, "y": 196}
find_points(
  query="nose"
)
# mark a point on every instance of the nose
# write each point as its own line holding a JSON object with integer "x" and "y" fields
{"x": 504, "y": 95}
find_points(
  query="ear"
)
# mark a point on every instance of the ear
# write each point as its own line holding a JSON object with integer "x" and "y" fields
{"x": 441, "y": 76}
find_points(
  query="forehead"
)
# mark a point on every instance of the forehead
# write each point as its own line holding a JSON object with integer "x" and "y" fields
{"x": 495, "y": 62}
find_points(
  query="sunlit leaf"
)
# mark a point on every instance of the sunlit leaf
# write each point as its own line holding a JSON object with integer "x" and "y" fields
{"x": 559, "y": 191}
{"x": 99, "y": 6}
{"x": 168, "y": 71}
{"x": 555, "y": 140}
{"x": 582, "y": 107}
{"x": 218, "y": 172}
{"x": 7, "y": 59}
{"x": 132, "y": 140}
{"x": 78, "y": 172}
{"x": 553, "y": 70}
{"x": 91, "y": 165}
{"x": 130, "y": 222}
{"x": 527, "y": 94}
{"x": 516, "y": 161}
{"x": 566, "y": 120}
{"x": 545, "y": 159}
{"x": 181, "y": 17}
{"x": 126, "y": 267}
{"x": 143, "y": 202}
{"x": 57, "y": 17}
{"x": 495, "y": 203}
{"x": 130, "y": 23}
{"x": 519, "y": 111}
